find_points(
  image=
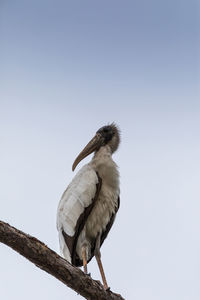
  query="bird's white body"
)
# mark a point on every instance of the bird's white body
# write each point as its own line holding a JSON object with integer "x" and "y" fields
{"x": 80, "y": 194}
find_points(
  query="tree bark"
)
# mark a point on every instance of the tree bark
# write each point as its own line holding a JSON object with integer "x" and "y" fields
{"x": 49, "y": 261}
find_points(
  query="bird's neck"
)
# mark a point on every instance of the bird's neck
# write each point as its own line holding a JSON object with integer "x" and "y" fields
{"x": 107, "y": 169}
{"x": 103, "y": 153}
{"x": 102, "y": 159}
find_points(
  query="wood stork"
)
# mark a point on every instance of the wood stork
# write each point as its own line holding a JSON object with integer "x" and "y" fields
{"x": 88, "y": 206}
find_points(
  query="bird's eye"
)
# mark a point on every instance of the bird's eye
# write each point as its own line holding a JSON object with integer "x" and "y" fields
{"x": 105, "y": 130}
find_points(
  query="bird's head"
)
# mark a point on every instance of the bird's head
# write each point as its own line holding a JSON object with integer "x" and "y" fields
{"x": 106, "y": 135}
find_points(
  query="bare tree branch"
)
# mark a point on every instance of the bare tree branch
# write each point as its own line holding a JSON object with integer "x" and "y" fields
{"x": 49, "y": 261}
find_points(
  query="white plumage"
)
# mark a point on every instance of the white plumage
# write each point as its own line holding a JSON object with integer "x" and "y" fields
{"x": 75, "y": 199}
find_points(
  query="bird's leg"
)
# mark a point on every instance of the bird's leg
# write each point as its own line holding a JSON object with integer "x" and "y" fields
{"x": 84, "y": 257}
{"x": 98, "y": 258}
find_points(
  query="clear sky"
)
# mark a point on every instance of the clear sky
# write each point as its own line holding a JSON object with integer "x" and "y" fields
{"x": 70, "y": 67}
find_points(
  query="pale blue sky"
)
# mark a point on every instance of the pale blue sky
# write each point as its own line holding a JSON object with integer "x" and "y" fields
{"x": 66, "y": 69}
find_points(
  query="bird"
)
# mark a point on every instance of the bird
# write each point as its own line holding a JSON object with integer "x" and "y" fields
{"x": 88, "y": 206}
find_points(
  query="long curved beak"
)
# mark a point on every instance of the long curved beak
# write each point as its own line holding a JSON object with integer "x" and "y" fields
{"x": 93, "y": 145}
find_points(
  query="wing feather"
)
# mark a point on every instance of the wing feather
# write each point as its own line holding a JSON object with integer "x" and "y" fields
{"x": 74, "y": 208}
